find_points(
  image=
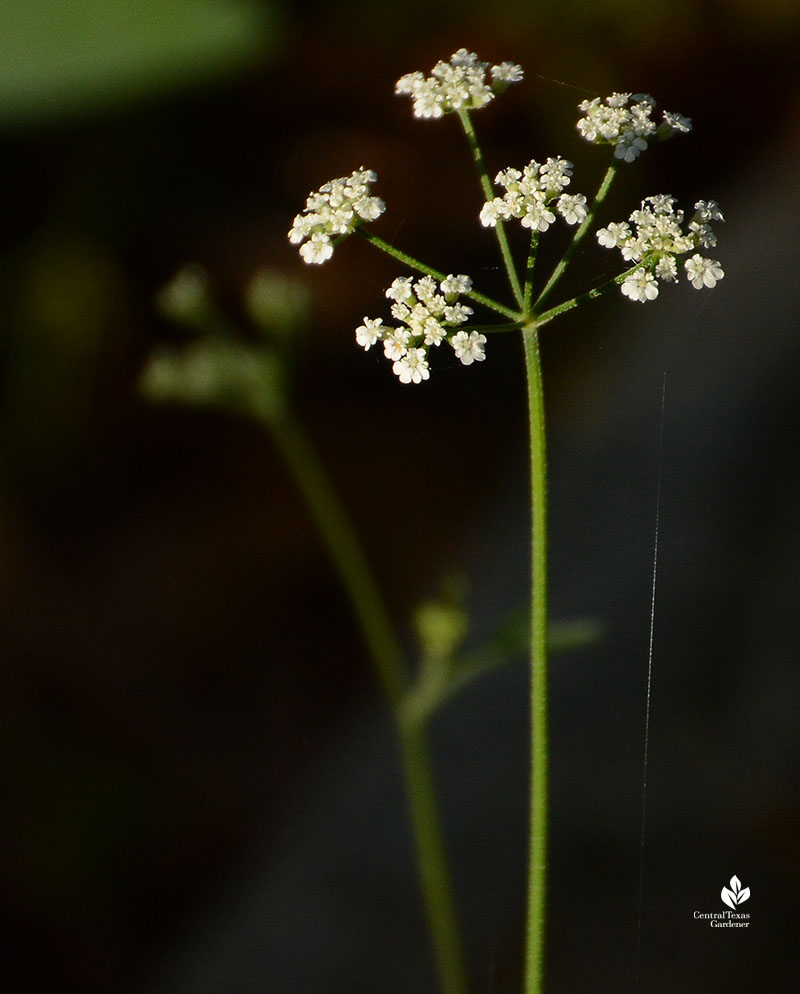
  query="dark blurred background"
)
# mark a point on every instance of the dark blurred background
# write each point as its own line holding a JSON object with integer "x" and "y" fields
{"x": 200, "y": 785}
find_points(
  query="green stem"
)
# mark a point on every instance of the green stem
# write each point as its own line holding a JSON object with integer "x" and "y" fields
{"x": 432, "y": 857}
{"x": 379, "y": 635}
{"x": 494, "y": 329}
{"x": 578, "y": 237}
{"x": 537, "y": 880}
{"x": 488, "y": 192}
{"x": 529, "y": 270}
{"x": 583, "y": 298}
{"x": 346, "y": 554}
{"x": 412, "y": 263}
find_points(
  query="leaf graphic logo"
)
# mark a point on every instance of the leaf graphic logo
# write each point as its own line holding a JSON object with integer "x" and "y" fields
{"x": 735, "y": 895}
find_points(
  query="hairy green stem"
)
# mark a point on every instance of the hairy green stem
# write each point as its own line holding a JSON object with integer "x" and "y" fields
{"x": 569, "y": 305}
{"x": 412, "y": 263}
{"x": 537, "y": 874}
{"x": 579, "y": 235}
{"x": 488, "y": 192}
{"x": 529, "y": 271}
{"x": 381, "y": 640}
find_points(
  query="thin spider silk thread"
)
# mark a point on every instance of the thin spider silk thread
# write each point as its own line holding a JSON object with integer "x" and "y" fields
{"x": 649, "y": 685}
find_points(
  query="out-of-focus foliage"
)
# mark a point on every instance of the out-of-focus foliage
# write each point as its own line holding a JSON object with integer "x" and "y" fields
{"x": 60, "y": 57}
{"x": 216, "y": 373}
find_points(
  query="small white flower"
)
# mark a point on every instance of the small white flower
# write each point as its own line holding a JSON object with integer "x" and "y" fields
{"x": 395, "y": 343}
{"x": 667, "y": 269}
{"x": 703, "y": 272}
{"x": 677, "y": 122}
{"x": 434, "y": 332}
{"x": 468, "y": 347}
{"x": 318, "y": 249}
{"x": 640, "y": 285}
{"x": 634, "y": 249}
{"x": 417, "y": 317}
{"x": 708, "y": 210}
{"x": 703, "y": 234}
{"x": 300, "y": 230}
{"x": 370, "y": 332}
{"x": 555, "y": 174}
{"x": 572, "y": 207}
{"x": 615, "y": 234}
{"x": 401, "y": 289}
{"x": 425, "y": 289}
{"x": 491, "y": 213}
{"x": 409, "y": 84}
{"x": 457, "y": 313}
{"x": 412, "y": 367}
{"x": 454, "y": 285}
{"x": 537, "y": 216}
{"x": 507, "y": 72}
{"x": 630, "y": 147}
{"x": 436, "y": 304}
{"x": 506, "y": 177}
{"x": 662, "y": 203}
{"x": 401, "y": 312}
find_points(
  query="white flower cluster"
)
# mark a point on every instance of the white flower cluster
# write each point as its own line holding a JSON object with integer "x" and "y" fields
{"x": 530, "y": 194}
{"x": 429, "y": 314}
{"x": 657, "y": 239}
{"x": 336, "y": 209}
{"x": 459, "y": 84}
{"x": 625, "y": 121}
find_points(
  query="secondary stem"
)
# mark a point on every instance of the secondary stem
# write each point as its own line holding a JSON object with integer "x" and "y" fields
{"x": 486, "y": 186}
{"x": 537, "y": 880}
{"x": 569, "y": 305}
{"x": 431, "y": 855}
{"x": 381, "y": 640}
{"x": 412, "y": 263}
{"x": 529, "y": 271}
{"x": 578, "y": 237}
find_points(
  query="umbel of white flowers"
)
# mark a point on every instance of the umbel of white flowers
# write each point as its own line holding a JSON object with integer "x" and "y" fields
{"x": 430, "y": 314}
{"x": 530, "y": 194}
{"x": 625, "y": 121}
{"x": 459, "y": 84}
{"x": 657, "y": 240}
{"x": 335, "y": 210}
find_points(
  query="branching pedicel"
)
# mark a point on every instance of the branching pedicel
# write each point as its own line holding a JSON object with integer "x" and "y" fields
{"x": 429, "y": 311}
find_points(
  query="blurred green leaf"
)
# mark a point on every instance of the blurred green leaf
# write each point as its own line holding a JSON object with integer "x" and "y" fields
{"x": 61, "y": 57}
{"x": 217, "y": 373}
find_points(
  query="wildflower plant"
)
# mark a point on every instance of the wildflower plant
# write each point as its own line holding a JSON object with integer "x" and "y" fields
{"x": 433, "y": 311}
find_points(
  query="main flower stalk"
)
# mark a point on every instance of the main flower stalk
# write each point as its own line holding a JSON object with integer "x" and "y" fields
{"x": 537, "y": 870}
